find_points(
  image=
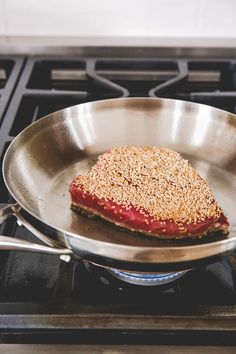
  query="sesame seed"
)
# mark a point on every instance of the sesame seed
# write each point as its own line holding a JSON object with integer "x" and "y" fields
{"x": 156, "y": 181}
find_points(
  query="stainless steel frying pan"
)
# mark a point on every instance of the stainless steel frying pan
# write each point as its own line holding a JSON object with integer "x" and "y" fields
{"x": 45, "y": 157}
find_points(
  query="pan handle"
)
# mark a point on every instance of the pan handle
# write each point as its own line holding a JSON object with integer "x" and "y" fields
{"x": 8, "y": 243}
{"x": 14, "y": 209}
{"x": 15, "y": 244}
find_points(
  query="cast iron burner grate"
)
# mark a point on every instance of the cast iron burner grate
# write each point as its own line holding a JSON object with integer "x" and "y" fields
{"x": 10, "y": 68}
{"x": 50, "y": 84}
{"x": 43, "y": 299}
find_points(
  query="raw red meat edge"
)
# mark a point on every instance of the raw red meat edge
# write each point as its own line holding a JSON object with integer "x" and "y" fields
{"x": 134, "y": 220}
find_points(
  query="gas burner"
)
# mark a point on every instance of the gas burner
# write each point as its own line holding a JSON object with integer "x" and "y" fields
{"x": 134, "y": 277}
{"x": 147, "y": 279}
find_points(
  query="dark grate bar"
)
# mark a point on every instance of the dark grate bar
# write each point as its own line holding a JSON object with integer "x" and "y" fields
{"x": 10, "y": 68}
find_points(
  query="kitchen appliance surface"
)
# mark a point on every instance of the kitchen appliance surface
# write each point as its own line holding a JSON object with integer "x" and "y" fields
{"x": 45, "y": 299}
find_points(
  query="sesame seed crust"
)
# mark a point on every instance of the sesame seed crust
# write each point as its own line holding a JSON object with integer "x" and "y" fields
{"x": 156, "y": 181}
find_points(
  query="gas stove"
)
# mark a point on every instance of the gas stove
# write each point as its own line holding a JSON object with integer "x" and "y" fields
{"x": 44, "y": 299}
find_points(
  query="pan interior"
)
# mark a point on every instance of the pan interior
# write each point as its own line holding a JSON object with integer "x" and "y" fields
{"x": 42, "y": 161}
{"x": 55, "y": 206}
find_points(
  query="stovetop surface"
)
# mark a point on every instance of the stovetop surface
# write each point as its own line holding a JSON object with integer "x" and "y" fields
{"x": 43, "y": 299}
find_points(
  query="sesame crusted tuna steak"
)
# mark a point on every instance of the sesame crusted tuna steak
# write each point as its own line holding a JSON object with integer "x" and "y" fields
{"x": 149, "y": 190}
